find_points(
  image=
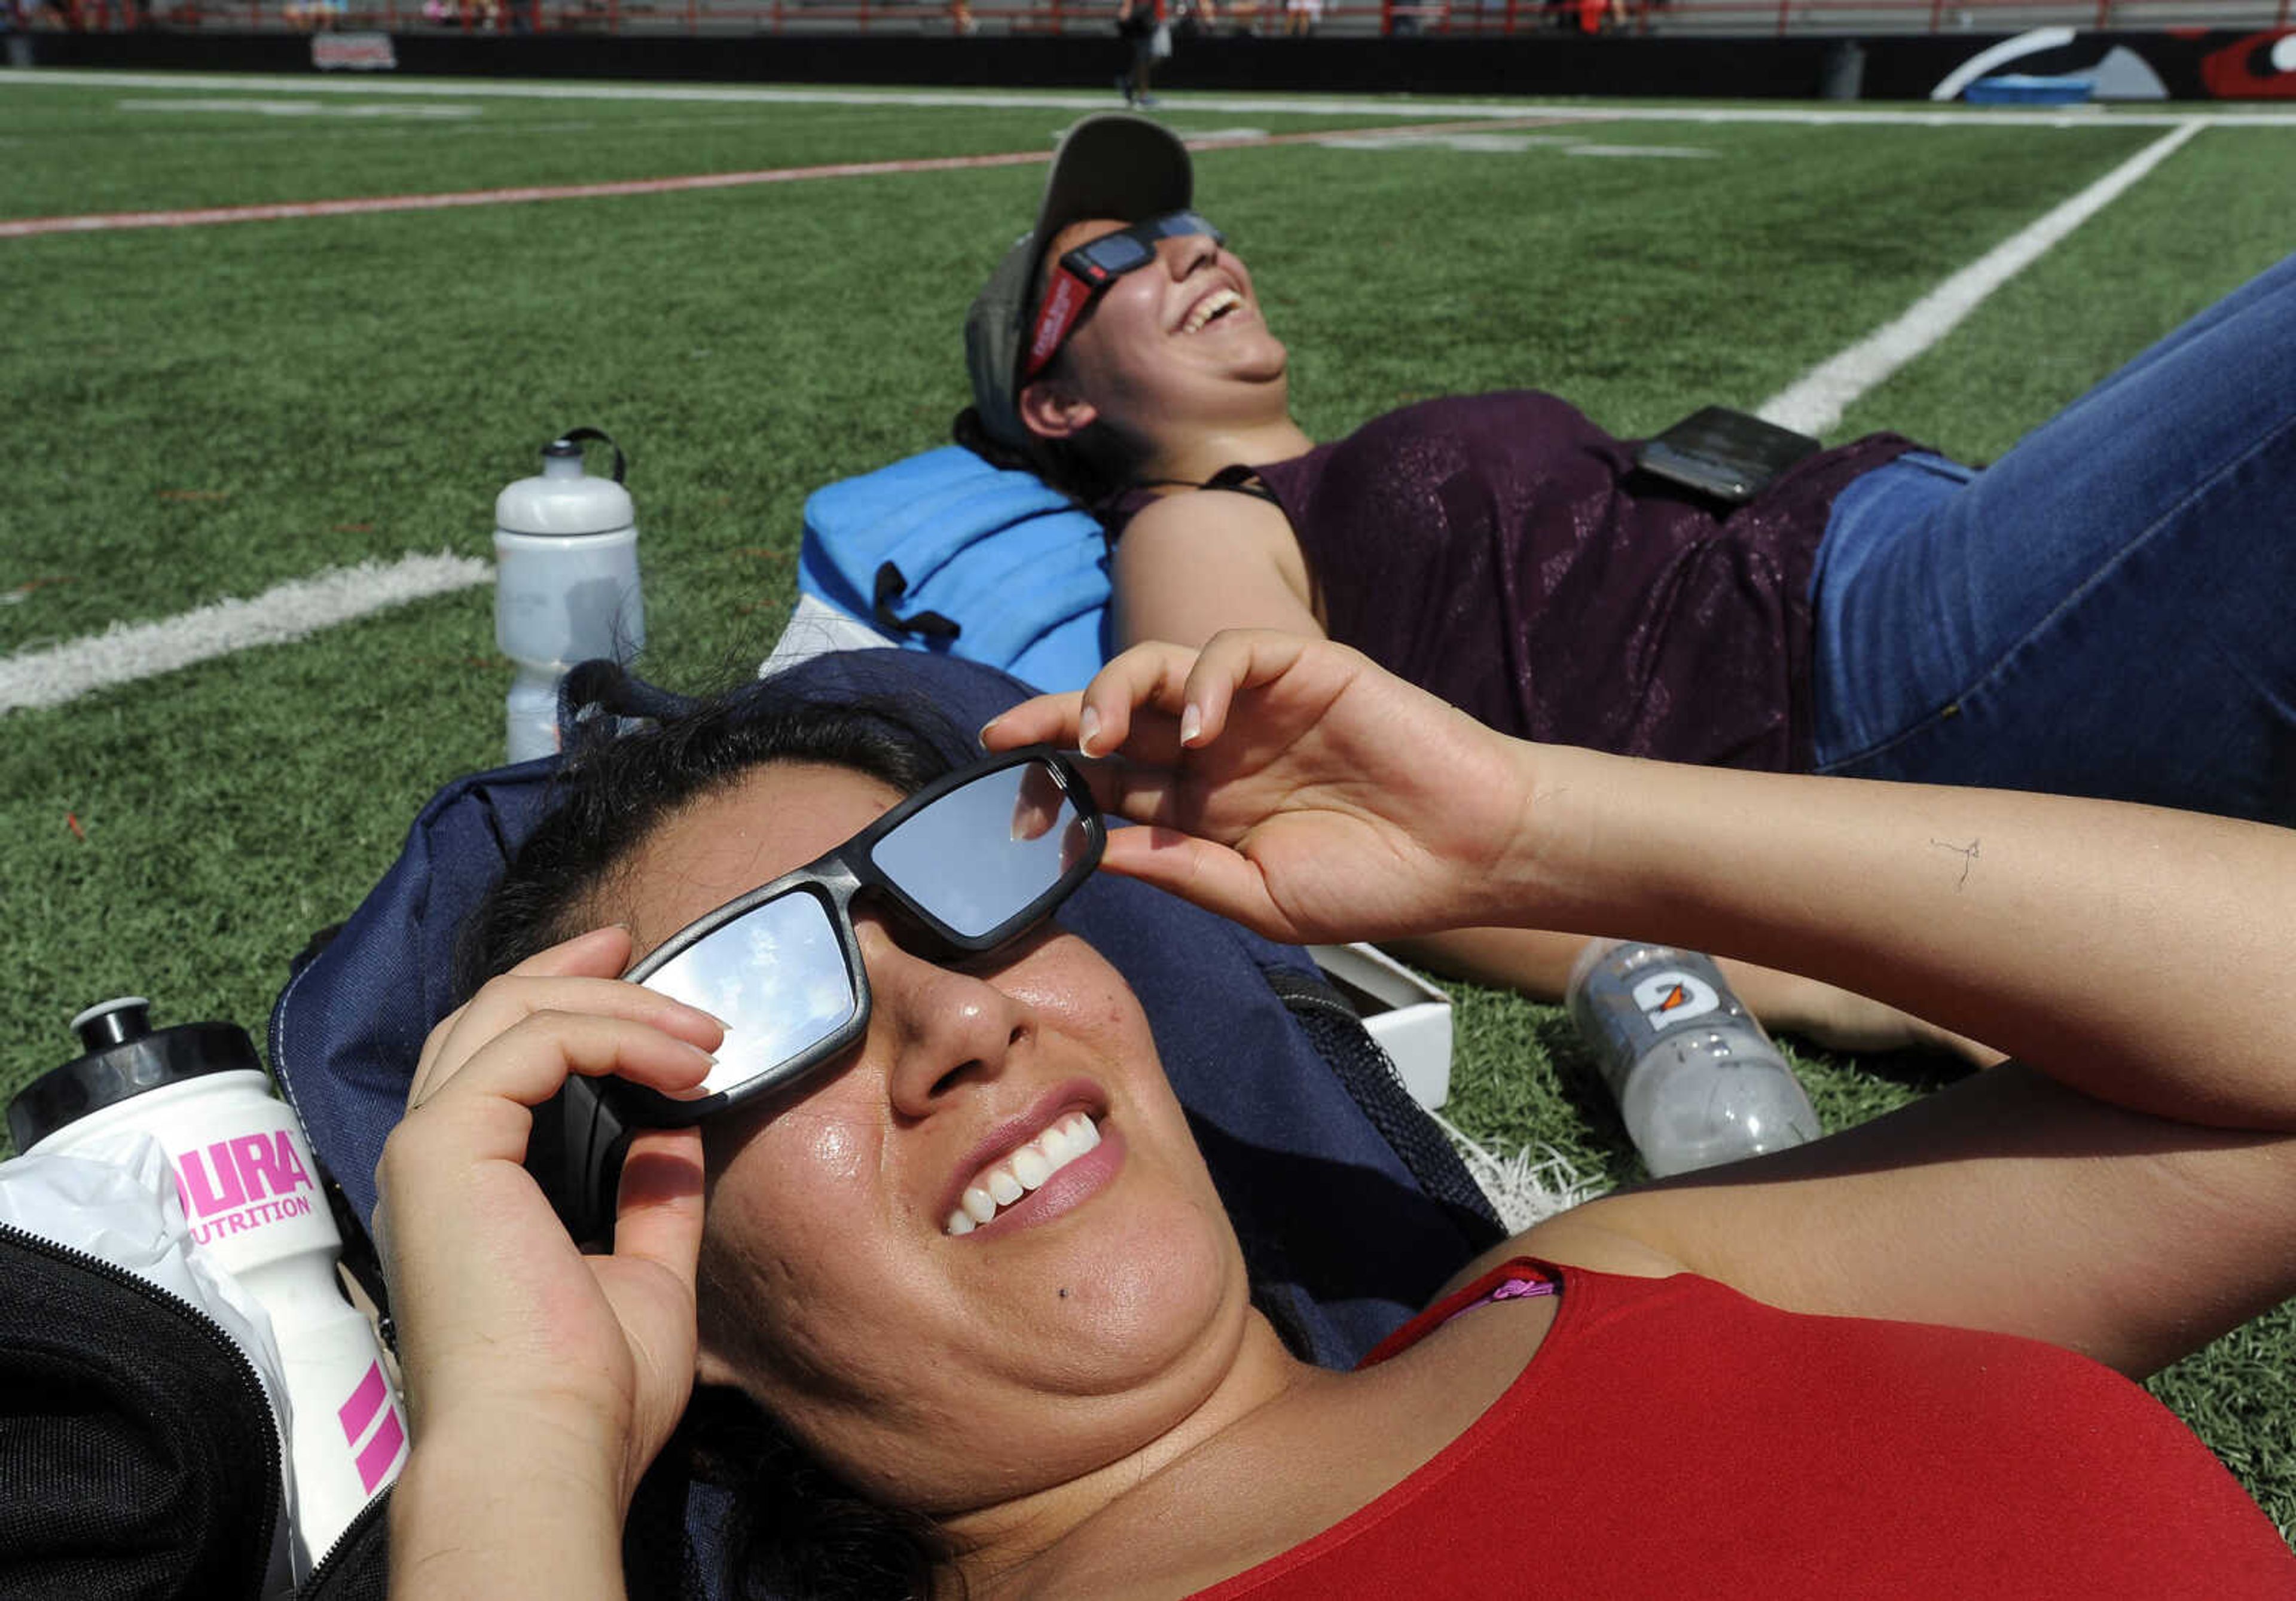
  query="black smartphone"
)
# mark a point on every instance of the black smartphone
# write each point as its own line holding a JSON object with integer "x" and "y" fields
{"x": 1728, "y": 455}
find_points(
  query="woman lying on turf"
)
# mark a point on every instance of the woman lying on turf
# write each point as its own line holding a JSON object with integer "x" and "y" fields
{"x": 2101, "y": 612}
{"x": 1877, "y": 1364}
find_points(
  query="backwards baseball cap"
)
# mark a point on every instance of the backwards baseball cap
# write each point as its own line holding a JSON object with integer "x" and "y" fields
{"x": 1113, "y": 165}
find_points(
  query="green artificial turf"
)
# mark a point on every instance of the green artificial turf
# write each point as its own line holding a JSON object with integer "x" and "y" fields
{"x": 200, "y": 414}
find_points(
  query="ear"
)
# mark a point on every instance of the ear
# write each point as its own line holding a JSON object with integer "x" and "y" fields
{"x": 1051, "y": 410}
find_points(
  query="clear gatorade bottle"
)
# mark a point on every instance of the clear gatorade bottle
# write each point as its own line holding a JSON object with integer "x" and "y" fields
{"x": 1697, "y": 1080}
{"x": 566, "y": 582}
{"x": 251, "y": 1197}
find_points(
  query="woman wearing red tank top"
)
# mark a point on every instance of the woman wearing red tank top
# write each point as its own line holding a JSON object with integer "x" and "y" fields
{"x": 1890, "y": 1362}
{"x": 1875, "y": 611}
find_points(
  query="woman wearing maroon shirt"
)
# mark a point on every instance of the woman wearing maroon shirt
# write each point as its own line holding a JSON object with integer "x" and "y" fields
{"x": 2101, "y": 612}
{"x": 1878, "y": 1364}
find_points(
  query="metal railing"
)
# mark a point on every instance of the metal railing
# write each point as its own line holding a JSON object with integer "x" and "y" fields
{"x": 1211, "y": 21}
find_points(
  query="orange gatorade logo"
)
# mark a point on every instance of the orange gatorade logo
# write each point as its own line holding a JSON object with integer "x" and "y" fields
{"x": 1671, "y": 997}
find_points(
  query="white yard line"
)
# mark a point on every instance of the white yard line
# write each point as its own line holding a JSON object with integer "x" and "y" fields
{"x": 25, "y": 227}
{"x": 361, "y": 205}
{"x": 1816, "y": 401}
{"x": 1401, "y": 107}
{"x": 126, "y": 652}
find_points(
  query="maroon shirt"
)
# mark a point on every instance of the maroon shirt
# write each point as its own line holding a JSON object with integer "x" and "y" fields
{"x": 1493, "y": 550}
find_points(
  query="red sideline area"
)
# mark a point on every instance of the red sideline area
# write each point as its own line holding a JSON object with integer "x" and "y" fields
{"x": 99, "y": 222}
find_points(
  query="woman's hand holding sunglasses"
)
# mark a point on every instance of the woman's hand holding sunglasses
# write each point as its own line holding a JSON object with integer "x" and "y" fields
{"x": 517, "y": 1346}
{"x": 1295, "y": 786}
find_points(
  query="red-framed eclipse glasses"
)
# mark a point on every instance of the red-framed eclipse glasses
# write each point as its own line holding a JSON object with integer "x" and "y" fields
{"x": 1083, "y": 275}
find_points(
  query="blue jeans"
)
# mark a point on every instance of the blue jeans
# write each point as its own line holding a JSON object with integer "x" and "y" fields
{"x": 2109, "y": 609}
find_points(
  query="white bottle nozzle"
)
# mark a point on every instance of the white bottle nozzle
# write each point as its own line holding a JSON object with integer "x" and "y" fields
{"x": 114, "y": 1021}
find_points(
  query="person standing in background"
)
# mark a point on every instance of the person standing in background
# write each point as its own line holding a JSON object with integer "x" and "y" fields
{"x": 1144, "y": 24}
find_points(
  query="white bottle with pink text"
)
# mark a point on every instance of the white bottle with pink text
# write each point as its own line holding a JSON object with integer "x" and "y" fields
{"x": 252, "y": 1201}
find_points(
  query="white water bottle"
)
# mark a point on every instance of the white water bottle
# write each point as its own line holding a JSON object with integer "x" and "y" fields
{"x": 1697, "y": 1080}
{"x": 566, "y": 583}
{"x": 251, "y": 1197}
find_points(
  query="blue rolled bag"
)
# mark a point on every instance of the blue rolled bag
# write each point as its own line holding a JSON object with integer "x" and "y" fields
{"x": 946, "y": 554}
{"x": 1352, "y": 1206}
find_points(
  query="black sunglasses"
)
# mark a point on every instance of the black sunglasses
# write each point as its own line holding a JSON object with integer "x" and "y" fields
{"x": 1083, "y": 275}
{"x": 966, "y": 865}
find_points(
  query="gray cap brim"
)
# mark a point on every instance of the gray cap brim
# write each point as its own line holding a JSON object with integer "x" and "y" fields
{"x": 1112, "y": 165}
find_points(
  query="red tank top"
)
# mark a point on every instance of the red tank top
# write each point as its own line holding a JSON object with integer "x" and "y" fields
{"x": 1672, "y": 1437}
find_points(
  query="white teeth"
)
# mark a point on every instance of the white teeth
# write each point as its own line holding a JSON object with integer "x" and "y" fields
{"x": 1026, "y": 1169}
{"x": 1211, "y": 307}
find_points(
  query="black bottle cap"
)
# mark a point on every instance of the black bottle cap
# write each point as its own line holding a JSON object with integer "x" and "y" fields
{"x": 126, "y": 1057}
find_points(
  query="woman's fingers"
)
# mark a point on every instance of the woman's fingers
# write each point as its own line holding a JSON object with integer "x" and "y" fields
{"x": 1211, "y": 876}
{"x": 1232, "y": 663}
{"x": 528, "y": 1062}
{"x": 1156, "y": 700}
{"x": 507, "y": 1003}
{"x": 658, "y": 1209}
{"x": 576, "y": 977}
{"x": 601, "y": 953}
{"x": 1188, "y": 692}
{"x": 1133, "y": 703}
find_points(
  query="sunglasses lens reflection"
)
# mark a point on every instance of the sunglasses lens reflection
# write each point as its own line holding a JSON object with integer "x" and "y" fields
{"x": 980, "y": 854}
{"x": 776, "y": 976}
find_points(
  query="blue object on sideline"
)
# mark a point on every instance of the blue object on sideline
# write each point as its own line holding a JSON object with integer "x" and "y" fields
{"x": 2027, "y": 88}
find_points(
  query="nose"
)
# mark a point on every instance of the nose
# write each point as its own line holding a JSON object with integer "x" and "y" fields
{"x": 941, "y": 1030}
{"x": 1185, "y": 253}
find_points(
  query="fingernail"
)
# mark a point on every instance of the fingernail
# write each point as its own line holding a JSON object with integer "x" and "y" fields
{"x": 1087, "y": 730}
{"x": 981, "y": 738}
{"x": 1192, "y": 723}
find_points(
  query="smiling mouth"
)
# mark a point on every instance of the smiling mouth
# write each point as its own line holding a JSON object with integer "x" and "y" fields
{"x": 1007, "y": 1180}
{"x": 1212, "y": 307}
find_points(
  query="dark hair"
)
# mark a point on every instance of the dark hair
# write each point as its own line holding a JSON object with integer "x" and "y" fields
{"x": 1095, "y": 468}
{"x": 794, "y": 1528}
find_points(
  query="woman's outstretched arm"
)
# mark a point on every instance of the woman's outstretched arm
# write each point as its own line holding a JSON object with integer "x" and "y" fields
{"x": 2130, "y": 1193}
{"x": 1192, "y": 564}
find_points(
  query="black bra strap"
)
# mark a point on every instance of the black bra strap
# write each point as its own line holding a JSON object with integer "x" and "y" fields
{"x": 1242, "y": 480}
{"x": 1238, "y": 479}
